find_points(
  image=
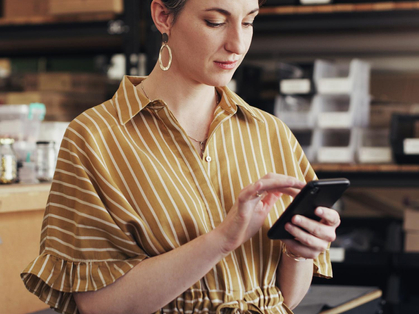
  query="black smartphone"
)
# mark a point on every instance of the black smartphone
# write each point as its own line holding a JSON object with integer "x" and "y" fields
{"x": 324, "y": 192}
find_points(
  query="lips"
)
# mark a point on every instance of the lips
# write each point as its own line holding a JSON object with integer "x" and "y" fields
{"x": 226, "y": 65}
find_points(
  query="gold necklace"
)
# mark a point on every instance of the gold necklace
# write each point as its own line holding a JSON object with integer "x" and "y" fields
{"x": 201, "y": 143}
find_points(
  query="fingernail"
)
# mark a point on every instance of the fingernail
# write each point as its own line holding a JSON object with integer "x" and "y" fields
{"x": 297, "y": 218}
{"x": 319, "y": 211}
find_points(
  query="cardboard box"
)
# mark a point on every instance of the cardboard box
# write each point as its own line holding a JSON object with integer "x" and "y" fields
{"x": 65, "y": 82}
{"x": 85, "y": 6}
{"x": 396, "y": 87}
{"x": 59, "y": 106}
{"x": 25, "y": 8}
{"x": 381, "y": 112}
{"x": 411, "y": 241}
{"x": 411, "y": 220}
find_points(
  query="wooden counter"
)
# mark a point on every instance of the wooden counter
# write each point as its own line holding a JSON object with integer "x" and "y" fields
{"x": 21, "y": 212}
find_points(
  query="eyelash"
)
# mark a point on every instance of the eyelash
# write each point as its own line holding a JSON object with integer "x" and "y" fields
{"x": 215, "y": 25}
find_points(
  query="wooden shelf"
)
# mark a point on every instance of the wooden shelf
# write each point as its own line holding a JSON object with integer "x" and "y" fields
{"x": 54, "y": 19}
{"x": 364, "y": 175}
{"x": 367, "y": 168}
{"x": 339, "y": 8}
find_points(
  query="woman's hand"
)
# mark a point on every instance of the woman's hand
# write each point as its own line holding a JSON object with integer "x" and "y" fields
{"x": 251, "y": 208}
{"x": 319, "y": 234}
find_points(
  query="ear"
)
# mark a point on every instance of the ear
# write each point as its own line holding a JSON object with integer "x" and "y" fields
{"x": 161, "y": 17}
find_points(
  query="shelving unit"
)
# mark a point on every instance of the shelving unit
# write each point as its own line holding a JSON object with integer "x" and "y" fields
{"x": 363, "y": 29}
{"x": 75, "y": 34}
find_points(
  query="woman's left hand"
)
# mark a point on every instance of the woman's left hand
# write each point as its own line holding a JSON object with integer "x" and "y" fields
{"x": 314, "y": 236}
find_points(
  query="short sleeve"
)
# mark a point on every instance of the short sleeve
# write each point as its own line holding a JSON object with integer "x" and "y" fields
{"x": 322, "y": 264}
{"x": 90, "y": 233}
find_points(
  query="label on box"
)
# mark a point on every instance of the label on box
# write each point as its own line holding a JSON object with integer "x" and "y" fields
{"x": 334, "y": 120}
{"x": 411, "y": 146}
{"x": 337, "y": 254}
{"x": 295, "y": 86}
{"x": 334, "y": 85}
{"x": 374, "y": 154}
{"x": 335, "y": 154}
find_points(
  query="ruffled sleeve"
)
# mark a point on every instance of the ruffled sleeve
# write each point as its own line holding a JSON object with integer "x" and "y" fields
{"x": 91, "y": 235}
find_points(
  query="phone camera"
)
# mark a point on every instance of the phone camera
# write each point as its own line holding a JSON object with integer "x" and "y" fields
{"x": 314, "y": 190}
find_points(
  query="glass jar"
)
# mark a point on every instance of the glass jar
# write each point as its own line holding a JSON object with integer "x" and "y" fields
{"x": 8, "y": 164}
{"x": 45, "y": 160}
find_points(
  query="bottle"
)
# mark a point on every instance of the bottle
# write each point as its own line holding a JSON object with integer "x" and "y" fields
{"x": 8, "y": 164}
{"x": 45, "y": 159}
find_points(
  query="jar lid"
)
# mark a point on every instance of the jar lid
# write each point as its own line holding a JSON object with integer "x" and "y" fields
{"x": 45, "y": 143}
{"x": 6, "y": 141}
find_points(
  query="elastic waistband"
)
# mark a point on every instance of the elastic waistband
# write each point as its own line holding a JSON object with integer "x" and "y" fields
{"x": 238, "y": 307}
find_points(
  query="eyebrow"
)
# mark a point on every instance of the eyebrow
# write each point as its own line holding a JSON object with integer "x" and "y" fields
{"x": 227, "y": 13}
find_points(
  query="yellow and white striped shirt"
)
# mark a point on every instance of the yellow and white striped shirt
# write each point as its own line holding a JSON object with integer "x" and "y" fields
{"x": 129, "y": 185}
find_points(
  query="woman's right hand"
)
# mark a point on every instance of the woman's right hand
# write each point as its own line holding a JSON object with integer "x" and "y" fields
{"x": 251, "y": 208}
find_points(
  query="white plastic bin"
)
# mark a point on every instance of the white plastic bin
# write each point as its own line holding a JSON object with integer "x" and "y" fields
{"x": 342, "y": 111}
{"x": 306, "y": 139}
{"x": 295, "y": 111}
{"x": 374, "y": 146}
{"x": 336, "y": 145}
{"x": 342, "y": 78}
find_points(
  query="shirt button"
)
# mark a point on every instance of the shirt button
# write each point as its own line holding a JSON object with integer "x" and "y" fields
{"x": 208, "y": 159}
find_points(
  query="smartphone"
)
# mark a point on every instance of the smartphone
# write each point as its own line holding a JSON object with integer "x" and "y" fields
{"x": 324, "y": 192}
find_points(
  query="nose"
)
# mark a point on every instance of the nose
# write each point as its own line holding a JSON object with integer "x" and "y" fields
{"x": 236, "y": 40}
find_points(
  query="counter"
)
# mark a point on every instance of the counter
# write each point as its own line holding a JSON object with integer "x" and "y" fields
{"x": 21, "y": 212}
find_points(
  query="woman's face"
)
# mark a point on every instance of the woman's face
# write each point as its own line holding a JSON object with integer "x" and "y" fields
{"x": 210, "y": 39}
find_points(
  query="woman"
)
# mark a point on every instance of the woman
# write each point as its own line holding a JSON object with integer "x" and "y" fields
{"x": 163, "y": 195}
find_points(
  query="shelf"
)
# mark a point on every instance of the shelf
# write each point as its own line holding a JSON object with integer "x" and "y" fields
{"x": 89, "y": 33}
{"x": 338, "y": 17}
{"x": 339, "y": 8}
{"x": 363, "y": 175}
{"x": 336, "y": 30}
{"x": 53, "y": 19}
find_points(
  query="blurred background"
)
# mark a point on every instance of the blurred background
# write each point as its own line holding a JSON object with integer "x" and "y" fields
{"x": 342, "y": 74}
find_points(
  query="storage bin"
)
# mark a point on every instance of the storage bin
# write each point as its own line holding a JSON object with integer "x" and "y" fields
{"x": 342, "y": 78}
{"x": 295, "y": 79}
{"x": 342, "y": 111}
{"x": 21, "y": 122}
{"x": 404, "y": 138}
{"x": 306, "y": 138}
{"x": 374, "y": 146}
{"x": 296, "y": 111}
{"x": 336, "y": 145}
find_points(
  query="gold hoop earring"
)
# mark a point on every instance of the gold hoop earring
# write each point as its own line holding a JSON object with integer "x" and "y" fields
{"x": 165, "y": 38}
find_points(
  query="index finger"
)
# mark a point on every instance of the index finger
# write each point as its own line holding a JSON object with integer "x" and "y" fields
{"x": 273, "y": 181}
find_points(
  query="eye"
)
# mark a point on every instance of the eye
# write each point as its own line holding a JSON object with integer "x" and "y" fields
{"x": 214, "y": 25}
{"x": 248, "y": 24}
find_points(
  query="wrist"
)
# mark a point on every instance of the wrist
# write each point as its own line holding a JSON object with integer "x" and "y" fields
{"x": 295, "y": 257}
{"x": 218, "y": 242}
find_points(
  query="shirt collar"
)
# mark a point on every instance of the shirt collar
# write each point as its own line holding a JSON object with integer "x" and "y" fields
{"x": 230, "y": 102}
{"x": 129, "y": 101}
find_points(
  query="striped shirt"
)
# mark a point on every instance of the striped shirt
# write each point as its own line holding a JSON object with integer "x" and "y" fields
{"x": 129, "y": 185}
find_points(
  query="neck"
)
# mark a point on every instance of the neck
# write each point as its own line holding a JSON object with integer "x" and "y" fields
{"x": 180, "y": 95}
{"x": 191, "y": 103}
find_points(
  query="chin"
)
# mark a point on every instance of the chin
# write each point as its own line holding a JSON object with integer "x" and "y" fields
{"x": 220, "y": 79}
